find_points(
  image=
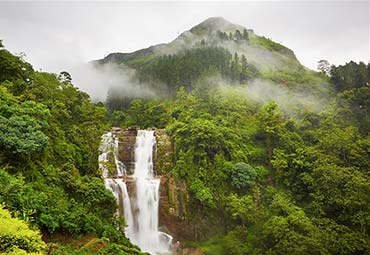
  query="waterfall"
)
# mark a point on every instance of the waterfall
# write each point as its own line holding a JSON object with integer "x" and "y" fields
{"x": 140, "y": 209}
{"x": 109, "y": 145}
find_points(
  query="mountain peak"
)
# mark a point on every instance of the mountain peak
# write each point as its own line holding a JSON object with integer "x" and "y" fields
{"x": 260, "y": 51}
{"x": 216, "y": 21}
{"x": 213, "y": 24}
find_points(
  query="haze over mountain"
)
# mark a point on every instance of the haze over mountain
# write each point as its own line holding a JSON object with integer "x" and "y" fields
{"x": 219, "y": 142}
{"x": 337, "y": 30}
{"x": 215, "y": 52}
{"x": 260, "y": 51}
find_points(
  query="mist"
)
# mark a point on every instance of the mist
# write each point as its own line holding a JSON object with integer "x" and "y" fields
{"x": 97, "y": 81}
{"x": 261, "y": 58}
{"x": 291, "y": 101}
{"x": 119, "y": 81}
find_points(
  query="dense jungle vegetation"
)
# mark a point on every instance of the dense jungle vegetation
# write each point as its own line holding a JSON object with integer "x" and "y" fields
{"x": 270, "y": 181}
{"x": 49, "y": 138}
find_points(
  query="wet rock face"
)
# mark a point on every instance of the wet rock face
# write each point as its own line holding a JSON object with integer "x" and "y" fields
{"x": 173, "y": 194}
{"x": 163, "y": 158}
{"x": 126, "y": 147}
{"x": 172, "y": 209}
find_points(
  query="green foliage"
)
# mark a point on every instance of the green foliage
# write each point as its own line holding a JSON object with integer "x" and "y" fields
{"x": 60, "y": 202}
{"x": 236, "y": 242}
{"x": 243, "y": 175}
{"x": 202, "y": 193}
{"x": 351, "y": 75}
{"x": 21, "y": 125}
{"x": 306, "y": 195}
{"x": 97, "y": 246}
{"x": 262, "y": 41}
{"x": 168, "y": 73}
{"x": 14, "y": 70}
{"x": 17, "y": 238}
{"x": 49, "y": 140}
{"x": 266, "y": 181}
{"x": 21, "y": 134}
{"x": 243, "y": 209}
{"x": 297, "y": 79}
{"x": 146, "y": 115}
{"x": 353, "y": 107}
{"x": 290, "y": 231}
{"x": 213, "y": 246}
{"x": 186, "y": 68}
{"x": 273, "y": 183}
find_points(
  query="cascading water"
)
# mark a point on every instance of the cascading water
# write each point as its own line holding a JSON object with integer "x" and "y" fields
{"x": 140, "y": 209}
{"x": 109, "y": 144}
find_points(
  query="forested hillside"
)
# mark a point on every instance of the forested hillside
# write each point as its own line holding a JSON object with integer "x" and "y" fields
{"x": 216, "y": 50}
{"x": 49, "y": 140}
{"x": 274, "y": 157}
{"x": 269, "y": 182}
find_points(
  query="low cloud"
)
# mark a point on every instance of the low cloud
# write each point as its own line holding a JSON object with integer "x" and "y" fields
{"x": 291, "y": 101}
{"x": 97, "y": 81}
{"x": 261, "y": 91}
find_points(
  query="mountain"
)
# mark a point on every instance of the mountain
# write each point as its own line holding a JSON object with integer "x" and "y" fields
{"x": 211, "y": 54}
{"x": 216, "y": 31}
{"x": 233, "y": 175}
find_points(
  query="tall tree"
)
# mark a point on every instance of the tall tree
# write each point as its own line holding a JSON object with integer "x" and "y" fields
{"x": 323, "y": 66}
{"x": 245, "y": 35}
{"x": 243, "y": 74}
{"x": 238, "y": 35}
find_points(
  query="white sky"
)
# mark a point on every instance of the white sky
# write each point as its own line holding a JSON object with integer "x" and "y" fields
{"x": 57, "y": 36}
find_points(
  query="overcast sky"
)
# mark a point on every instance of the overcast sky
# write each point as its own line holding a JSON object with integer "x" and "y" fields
{"x": 59, "y": 35}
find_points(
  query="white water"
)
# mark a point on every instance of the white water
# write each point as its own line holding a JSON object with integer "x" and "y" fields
{"x": 140, "y": 210}
{"x": 109, "y": 144}
{"x": 105, "y": 148}
{"x": 126, "y": 206}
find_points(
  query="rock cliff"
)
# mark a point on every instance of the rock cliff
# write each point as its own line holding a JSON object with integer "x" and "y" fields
{"x": 174, "y": 197}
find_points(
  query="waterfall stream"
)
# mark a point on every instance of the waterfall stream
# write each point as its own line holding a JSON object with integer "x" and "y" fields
{"x": 140, "y": 206}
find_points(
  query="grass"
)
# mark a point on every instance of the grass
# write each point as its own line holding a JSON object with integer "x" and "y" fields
{"x": 212, "y": 246}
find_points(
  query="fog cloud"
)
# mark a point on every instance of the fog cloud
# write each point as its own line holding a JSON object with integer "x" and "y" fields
{"x": 97, "y": 81}
{"x": 59, "y": 35}
{"x": 292, "y": 101}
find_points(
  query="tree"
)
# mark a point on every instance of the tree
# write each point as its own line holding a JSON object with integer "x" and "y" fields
{"x": 231, "y": 37}
{"x": 245, "y": 35}
{"x": 238, "y": 35}
{"x": 236, "y": 242}
{"x": 13, "y": 68}
{"x": 243, "y": 176}
{"x": 244, "y": 65}
{"x": 236, "y": 58}
{"x": 349, "y": 76}
{"x": 17, "y": 238}
{"x": 65, "y": 77}
{"x": 271, "y": 124}
{"x": 22, "y": 125}
{"x": 323, "y": 66}
{"x": 290, "y": 231}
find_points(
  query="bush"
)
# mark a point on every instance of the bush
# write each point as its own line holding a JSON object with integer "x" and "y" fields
{"x": 243, "y": 175}
{"x": 16, "y": 237}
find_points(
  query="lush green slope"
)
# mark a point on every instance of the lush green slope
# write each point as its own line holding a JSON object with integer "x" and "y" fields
{"x": 264, "y": 177}
{"x": 49, "y": 138}
{"x": 215, "y": 48}
{"x": 265, "y": 182}
{"x": 17, "y": 238}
